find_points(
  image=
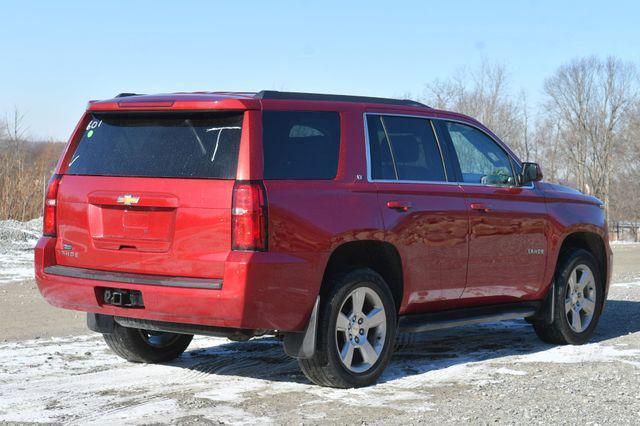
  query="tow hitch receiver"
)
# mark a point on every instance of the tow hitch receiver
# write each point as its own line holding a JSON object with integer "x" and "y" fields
{"x": 123, "y": 298}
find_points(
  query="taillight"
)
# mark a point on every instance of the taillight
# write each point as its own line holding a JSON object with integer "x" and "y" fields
{"x": 50, "y": 201}
{"x": 249, "y": 216}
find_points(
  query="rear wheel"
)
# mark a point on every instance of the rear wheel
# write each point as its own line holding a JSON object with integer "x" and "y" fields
{"x": 137, "y": 345}
{"x": 356, "y": 332}
{"x": 579, "y": 296}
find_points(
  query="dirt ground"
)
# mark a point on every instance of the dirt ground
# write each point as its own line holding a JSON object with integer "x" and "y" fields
{"x": 53, "y": 370}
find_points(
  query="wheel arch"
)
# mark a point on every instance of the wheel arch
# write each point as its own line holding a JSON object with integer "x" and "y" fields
{"x": 589, "y": 241}
{"x": 380, "y": 256}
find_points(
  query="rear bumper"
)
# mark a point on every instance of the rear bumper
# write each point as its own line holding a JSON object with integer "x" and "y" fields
{"x": 268, "y": 291}
{"x": 123, "y": 277}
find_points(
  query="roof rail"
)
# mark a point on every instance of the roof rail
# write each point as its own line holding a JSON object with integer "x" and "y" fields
{"x": 299, "y": 96}
{"x": 125, "y": 94}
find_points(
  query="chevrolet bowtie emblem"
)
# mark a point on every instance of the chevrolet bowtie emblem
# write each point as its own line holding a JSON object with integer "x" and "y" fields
{"x": 128, "y": 199}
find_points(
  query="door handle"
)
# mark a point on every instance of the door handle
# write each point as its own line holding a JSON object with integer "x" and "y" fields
{"x": 399, "y": 205}
{"x": 481, "y": 207}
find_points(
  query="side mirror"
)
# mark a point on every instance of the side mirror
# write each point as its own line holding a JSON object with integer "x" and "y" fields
{"x": 531, "y": 172}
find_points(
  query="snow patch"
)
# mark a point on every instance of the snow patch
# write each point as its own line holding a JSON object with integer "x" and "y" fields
{"x": 510, "y": 372}
{"x": 592, "y": 352}
{"x": 17, "y": 240}
{"x": 624, "y": 243}
{"x": 234, "y": 390}
{"x": 78, "y": 380}
{"x": 146, "y": 412}
{"x": 627, "y": 285}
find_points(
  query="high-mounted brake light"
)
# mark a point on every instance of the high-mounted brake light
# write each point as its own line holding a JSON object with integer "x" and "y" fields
{"x": 50, "y": 203}
{"x": 249, "y": 216}
{"x": 146, "y": 104}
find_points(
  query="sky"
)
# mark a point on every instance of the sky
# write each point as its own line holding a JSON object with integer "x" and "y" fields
{"x": 57, "y": 55}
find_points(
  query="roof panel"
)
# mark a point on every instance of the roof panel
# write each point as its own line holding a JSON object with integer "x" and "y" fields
{"x": 299, "y": 96}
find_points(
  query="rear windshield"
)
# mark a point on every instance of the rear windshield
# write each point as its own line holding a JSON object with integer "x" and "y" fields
{"x": 300, "y": 144}
{"x": 159, "y": 145}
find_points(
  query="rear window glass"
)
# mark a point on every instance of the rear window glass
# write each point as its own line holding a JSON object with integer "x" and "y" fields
{"x": 300, "y": 144}
{"x": 159, "y": 145}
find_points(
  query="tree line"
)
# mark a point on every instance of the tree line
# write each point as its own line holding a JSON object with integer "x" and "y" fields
{"x": 585, "y": 133}
{"x": 26, "y": 167}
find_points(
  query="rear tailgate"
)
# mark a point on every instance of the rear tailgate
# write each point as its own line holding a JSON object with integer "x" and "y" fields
{"x": 150, "y": 193}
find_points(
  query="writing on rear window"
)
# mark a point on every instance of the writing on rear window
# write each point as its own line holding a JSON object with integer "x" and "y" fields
{"x": 159, "y": 145}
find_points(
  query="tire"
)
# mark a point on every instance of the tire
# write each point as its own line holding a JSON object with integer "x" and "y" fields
{"x": 326, "y": 367}
{"x": 577, "y": 307}
{"x": 144, "y": 346}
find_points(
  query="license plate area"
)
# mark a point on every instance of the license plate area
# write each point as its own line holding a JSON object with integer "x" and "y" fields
{"x": 122, "y": 298}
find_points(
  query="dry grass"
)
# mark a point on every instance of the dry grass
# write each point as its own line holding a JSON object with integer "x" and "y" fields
{"x": 25, "y": 169}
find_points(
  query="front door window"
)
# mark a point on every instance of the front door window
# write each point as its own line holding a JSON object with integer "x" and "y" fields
{"x": 481, "y": 159}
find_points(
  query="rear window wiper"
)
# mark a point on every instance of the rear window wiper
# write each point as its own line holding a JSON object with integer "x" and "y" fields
{"x": 195, "y": 134}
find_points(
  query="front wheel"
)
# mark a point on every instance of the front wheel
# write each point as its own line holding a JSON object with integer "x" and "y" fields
{"x": 356, "y": 332}
{"x": 579, "y": 297}
{"x": 137, "y": 345}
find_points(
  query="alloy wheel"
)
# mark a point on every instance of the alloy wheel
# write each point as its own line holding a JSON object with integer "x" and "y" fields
{"x": 361, "y": 330}
{"x": 580, "y": 299}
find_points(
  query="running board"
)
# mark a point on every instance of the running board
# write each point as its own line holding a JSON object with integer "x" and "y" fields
{"x": 466, "y": 316}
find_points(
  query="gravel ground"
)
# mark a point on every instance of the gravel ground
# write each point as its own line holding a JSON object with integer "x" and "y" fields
{"x": 496, "y": 373}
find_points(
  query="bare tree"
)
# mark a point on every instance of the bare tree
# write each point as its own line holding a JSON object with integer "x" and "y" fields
{"x": 589, "y": 100}
{"x": 548, "y": 150}
{"x": 25, "y": 167}
{"x": 485, "y": 95}
{"x": 15, "y": 129}
{"x": 625, "y": 188}
{"x": 3, "y": 132}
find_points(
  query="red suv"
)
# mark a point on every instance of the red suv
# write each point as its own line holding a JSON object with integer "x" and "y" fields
{"x": 331, "y": 222}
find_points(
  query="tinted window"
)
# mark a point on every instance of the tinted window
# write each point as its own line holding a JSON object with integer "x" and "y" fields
{"x": 481, "y": 159}
{"x": 404, "y": 148}
{"x": 382, "y": 166}
{"x": 159, "y": 145}
{"x": 300, "y": 144}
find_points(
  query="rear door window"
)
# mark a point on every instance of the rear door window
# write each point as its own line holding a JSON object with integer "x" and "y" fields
{"x": 404, "y": 148}
{"x": 382, "y": 166}
{"x": 159, "y": 145}
{"x": 300, "y": 144}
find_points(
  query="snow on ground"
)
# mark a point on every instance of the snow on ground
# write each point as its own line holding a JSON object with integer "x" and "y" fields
{"x": 17, "y": 240}
{"x": 78, "y": 380}
{"x": 627, "y": 285}
{"x": 624, "y": 243}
